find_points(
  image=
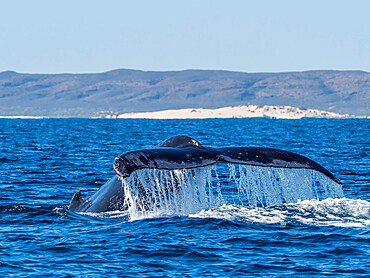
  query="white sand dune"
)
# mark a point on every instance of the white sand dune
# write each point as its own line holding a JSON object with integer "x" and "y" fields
{"x": 242, "y": 111}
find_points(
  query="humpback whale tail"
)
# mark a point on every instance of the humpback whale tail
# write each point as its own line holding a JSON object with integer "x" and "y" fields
{"x": 183, "y": 152}
{"x": 181, "y": 176}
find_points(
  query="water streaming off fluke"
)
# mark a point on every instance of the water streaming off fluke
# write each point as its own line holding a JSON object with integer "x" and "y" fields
{"x": 154, "y": 192}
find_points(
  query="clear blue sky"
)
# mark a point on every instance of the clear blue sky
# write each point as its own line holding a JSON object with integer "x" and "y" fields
{"x": 251, "y": 36}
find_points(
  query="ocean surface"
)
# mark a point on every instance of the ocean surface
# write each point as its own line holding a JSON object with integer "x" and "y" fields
{"x": 43, "y": 162}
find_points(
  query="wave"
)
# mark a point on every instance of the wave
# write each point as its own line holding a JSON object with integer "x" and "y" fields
{"x": 339, "y": 212}
{"x": 68, "y": 214}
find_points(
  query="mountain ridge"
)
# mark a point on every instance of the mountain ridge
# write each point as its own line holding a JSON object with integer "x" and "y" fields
{"x": 125, "y": 90}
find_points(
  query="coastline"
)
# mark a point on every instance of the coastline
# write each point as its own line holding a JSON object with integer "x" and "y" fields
{"x": 23, "y": 117}
{"x": 242, "y": 111}
{"x": 228, "y": 112}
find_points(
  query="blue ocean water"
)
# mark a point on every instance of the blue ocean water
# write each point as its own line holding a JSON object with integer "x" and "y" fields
{"x": 44, "y": 161}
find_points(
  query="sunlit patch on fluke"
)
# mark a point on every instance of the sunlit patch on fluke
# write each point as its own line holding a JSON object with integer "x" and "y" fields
{"x": 181, "y": 175}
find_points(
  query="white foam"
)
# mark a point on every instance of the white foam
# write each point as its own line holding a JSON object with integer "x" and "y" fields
{"x": 340, "y": 212}
{"x": 108, "y": 214}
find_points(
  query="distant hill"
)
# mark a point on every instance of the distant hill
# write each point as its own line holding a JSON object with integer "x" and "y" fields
{"x": 125, "y": 90}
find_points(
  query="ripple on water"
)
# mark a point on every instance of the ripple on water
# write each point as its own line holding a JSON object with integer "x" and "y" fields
{"x": 43, "y": 162}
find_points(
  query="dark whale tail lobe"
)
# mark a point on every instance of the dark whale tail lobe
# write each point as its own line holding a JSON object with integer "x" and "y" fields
{"x": 177, "y": 152}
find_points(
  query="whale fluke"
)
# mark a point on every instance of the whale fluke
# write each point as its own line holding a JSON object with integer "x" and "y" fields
{"x": 182, "y": 152}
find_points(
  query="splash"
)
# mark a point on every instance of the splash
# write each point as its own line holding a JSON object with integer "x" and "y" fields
{"x": 154, "y": 193}
{"x": 267, "y": 186}
{"x": 339, "y": 212}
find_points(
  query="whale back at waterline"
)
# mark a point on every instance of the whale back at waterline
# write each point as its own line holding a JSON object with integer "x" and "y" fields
{"x": 181, "y": 153}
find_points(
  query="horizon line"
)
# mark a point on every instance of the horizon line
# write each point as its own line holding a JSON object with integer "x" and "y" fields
{"x": 184, "y": 70}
